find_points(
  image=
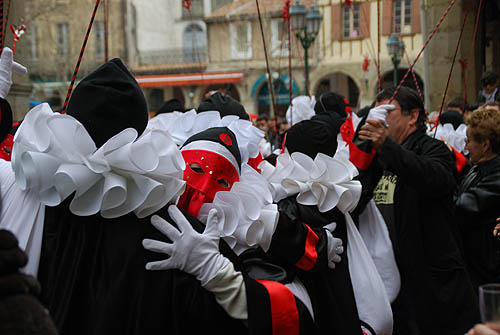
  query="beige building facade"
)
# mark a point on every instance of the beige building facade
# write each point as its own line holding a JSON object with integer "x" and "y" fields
{"x": 54, "y": 36}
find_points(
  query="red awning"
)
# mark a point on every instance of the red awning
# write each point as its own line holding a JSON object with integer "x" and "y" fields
{"x": 190, "y": 79}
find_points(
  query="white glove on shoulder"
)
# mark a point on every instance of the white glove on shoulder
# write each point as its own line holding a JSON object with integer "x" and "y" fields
{"x": 380, "y": 112}
{"x": 192, "y": 252}
{"x": 334, "y": 246}
{"x": 7, "y": 66}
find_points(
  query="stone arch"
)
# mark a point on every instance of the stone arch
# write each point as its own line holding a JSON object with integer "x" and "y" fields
{"x": 339, "y": 82}
{"x": 388, "y": 79}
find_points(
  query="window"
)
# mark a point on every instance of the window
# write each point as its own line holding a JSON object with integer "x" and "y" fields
{"x": 196, "y": 10}
{"x": 99, "y": 39}
{"x": 33, "y": 42}
{"x": 350, "y": 21}
{"x": 62, "y": 38}
{"x": 241, "y": 36}
{"x": 279, "y": 42}
{"x": 194, "y": 43}
{"x": 402, "y": 16}
{"x": 216, "y": 4}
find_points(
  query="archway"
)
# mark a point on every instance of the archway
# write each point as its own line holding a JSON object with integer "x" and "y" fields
{"x": 388, "y": 80}
{"x": 339, "y": 83}
{"x": 281, "y": 98}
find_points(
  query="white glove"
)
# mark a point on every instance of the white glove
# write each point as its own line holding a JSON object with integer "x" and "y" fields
{"x": 380, "y": 113}
{"x": 192, "y": 252}
{"x": 7, "y": 66}
{"x": 334, "y": 246}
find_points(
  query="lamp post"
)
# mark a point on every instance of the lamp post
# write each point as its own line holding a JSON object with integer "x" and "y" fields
{"x": 306, "y": 26}
{"x": 395, "y": 47}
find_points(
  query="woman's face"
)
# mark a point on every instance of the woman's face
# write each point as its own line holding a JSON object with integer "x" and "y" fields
{"x": 478, "y": 151}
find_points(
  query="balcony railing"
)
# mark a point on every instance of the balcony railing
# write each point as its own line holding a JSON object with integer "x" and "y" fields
{"x": 174, "y": 56}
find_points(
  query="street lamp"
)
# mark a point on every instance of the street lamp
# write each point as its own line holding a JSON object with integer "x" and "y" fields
{"x": 395, "y": 47}
{"x": 306, "y": 26}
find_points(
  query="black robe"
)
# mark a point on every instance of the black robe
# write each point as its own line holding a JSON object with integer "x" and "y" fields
{"x": 94, "y": 282}
{"x": 330, "y": 290}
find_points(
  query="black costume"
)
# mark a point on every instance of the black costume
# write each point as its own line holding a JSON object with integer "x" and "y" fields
{"x": 92, "y": 268}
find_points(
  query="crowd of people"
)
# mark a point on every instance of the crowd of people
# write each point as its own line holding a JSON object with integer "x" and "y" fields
{"x": 115, "y": 220}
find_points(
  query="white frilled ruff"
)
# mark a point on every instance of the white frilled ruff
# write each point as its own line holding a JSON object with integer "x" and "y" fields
{"x": 247, "y": 215}
{"x": 182, "y": 126}
{"x": 454, "y": 137}
{"x": 54, "y": 155}
{"x": 326, "y": 182}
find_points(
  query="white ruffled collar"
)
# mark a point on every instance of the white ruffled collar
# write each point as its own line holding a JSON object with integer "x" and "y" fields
{"x": 247, "y": 215}
{"x": 454, "y": 137}
{"x": 54, "y": 155}
{"x": 326, "y": 182}
{"x": 182, "y": 126}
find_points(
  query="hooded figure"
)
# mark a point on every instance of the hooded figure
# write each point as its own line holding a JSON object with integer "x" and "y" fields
{"x": 225, "y": 105}
{"x": 302, "y": 108}
{"x": 105, "y": 177}
{"x": 304, "y": 238}
{"x": 101, "y": 186}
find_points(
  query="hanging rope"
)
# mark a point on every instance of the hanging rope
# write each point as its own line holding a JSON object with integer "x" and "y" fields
{"x": 471, "y": 53}
{"x": 290, "y": 89}
{"x": 269, "y": 78}
{"x": 77, "y": 67}
{"x": 1, "y": 25}
{"x": 301, "y": 60}
{"x": 379, "y": 80}
{"x": 106, "y": 31}
{"x": 7, "y": 12}
{"x": 415, "y": 81}
{"x": 371, "y": 47}
{"x": 451, "y": 71}
{"x": 187, "y": 5}
{"x": 423, "y": 48}
{"x": 286, "y": 19}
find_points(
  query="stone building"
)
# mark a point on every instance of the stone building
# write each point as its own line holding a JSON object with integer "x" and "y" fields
{"x": 54, "y": 37}
{"x": 171, "y": 48}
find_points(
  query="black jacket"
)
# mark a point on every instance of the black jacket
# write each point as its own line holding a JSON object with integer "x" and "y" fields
{"x": 432, "y": 269}
{"x": 477, "y": 203}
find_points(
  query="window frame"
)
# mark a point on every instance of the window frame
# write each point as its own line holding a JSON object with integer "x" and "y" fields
{"x": 62, "y": 38}
{"x": 356, "y": 10}
{"x": 236, "y": 53}
{"x": 402, "y": 22}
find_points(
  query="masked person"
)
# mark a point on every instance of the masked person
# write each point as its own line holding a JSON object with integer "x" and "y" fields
{"x": 103, "y": 175}
{"x": 218, "y": 183}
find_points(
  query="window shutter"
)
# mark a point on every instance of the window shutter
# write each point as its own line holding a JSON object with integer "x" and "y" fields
{"x": 415, "y": 16}
{"x": 336, "y": 21}
{"x": 386, "y": 17}
{"x": 364, "y": 16}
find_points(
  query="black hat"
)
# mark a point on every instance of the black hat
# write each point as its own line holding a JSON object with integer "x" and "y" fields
{"x": 311, "y": 137}
{"x": 222, "y": 136}
{"x": 108, "y": 101}
{"x": 331, "y": 102}
{"x": 225, "y": 105}
{"x": 453, "y": 117}
{"x": 5, "y": 119}
{"x": 172, "y": 105}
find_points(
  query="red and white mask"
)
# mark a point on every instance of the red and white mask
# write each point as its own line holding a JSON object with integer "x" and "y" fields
{"x": 210, "y": 168}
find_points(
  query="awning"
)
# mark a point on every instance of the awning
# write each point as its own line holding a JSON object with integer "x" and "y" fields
{"x": 190, "y": 79}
